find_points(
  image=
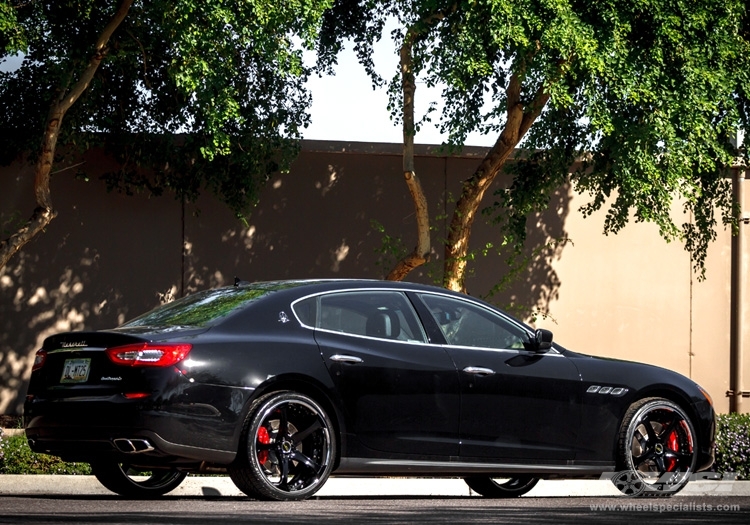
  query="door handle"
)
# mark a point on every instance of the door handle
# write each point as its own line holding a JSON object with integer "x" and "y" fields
{"x": 479, "y": 371}
{"x": 350, "y": 359}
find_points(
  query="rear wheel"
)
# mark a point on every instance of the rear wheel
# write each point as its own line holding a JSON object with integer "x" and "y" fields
{"x": 133, "y": 482}
{"x": 289, "y": 447}
{"x": 501, "y": 487}
{"x": 656, "y": 449}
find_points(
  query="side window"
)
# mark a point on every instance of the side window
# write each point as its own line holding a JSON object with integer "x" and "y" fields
{"x": 385, "y": 315}
{"x": 305, "y": 310}
{"x": 467, "y": 324}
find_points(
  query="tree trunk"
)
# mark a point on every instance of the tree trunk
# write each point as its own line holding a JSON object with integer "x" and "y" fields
{"x": 519, "y": 120}
{"x": 421, "y": 252}
{"x": 44, "y": 213}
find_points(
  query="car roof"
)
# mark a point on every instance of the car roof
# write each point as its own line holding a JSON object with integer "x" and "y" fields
{"x": 310, "y": 286}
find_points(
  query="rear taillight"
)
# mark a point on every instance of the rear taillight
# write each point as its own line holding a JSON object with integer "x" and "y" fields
{"x": 39, "y": 359}
{"x": 149, "y": 354}
{"x": 136, "y": 395}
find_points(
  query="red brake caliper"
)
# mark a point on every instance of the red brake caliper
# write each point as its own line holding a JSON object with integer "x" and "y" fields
{"x": 673, "y": 444}
{"x": 263, "y": 439}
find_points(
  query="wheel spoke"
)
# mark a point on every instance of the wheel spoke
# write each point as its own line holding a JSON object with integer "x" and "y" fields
{"x": 284, "y": 480}
{"x": 649, "y": 430}
{"x": 306, "y": 461}
{"x": 300, "y": 436}
{"x": 642, "y": 440}
{"x": 668, "y": 425}
{"x": 643, "y": 458}
{"x": 682, "y": 460}
{"x": 659, "y": 460}
{"x": 283, "y": 422}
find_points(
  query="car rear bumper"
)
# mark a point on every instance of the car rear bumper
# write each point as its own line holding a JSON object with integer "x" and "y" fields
{"x": 125, "y": 430}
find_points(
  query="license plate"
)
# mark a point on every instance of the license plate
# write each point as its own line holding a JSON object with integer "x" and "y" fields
{"x": 75, "y": 371}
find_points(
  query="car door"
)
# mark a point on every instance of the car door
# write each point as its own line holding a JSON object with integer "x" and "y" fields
{"x": 516, "y": 403}
{"x": 400, "y": 394}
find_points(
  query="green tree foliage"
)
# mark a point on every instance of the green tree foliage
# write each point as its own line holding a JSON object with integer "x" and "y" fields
{"x": 11, "y": 35}
{"x": 640, "y": 97}
{"x": 187, "y": 94}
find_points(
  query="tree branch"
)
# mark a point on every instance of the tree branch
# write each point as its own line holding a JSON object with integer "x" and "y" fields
{"x": 44, "y": 213}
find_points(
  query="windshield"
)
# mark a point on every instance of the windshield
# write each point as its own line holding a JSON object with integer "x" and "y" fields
{"x": 199, "y": 309}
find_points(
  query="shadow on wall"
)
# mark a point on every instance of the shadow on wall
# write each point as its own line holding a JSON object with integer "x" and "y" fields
{"x": 108, "y": 257}
{"x": 105, "y": 258}
{"x": 34, "y": 308}
{"x": 528, "y": 293}
{"x": 314, "y": 222}
{"x": 40, "y": 299}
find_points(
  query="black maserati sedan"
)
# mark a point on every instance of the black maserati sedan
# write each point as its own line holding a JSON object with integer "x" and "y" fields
{"x": 283, "y": 384}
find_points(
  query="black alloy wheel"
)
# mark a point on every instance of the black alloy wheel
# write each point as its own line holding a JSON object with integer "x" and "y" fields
{"x": 289, "y": 447}
{"x": 501, "y": 487}
{"x": 656, "y": 449}
{"x": 132, "y": 482}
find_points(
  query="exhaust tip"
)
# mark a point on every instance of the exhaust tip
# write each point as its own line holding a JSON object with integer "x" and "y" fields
{"x": 133, "y": 446}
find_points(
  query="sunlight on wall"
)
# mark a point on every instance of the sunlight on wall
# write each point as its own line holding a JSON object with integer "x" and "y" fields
{"x": 332, "y": 179}
{"x": 168, "y": 296}
{"x": 197, "y": 275}
{"x": 14, "y": 371}
{"x": 338, "y": 255}
{"x": 247, "y": 236}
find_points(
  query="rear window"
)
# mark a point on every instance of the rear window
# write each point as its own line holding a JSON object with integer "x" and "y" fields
{"x": 199, "y": 309}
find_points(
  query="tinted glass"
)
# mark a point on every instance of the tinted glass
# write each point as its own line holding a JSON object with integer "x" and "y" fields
{"x": 199, "y": 309}
{"x": 467, "y": 324}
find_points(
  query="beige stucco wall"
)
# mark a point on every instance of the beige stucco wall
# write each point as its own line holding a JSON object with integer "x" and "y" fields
{"x": 634, "y": 296}
{"x": 107, "y": 257}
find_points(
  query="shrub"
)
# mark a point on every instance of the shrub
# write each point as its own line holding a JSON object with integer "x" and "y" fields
{"x": 17, "y": 458}
{"x": 733, "y": 445}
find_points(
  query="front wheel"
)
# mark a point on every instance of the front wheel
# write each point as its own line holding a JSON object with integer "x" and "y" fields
{"x": 132, "y": 482}
{"x": 656, "y": 449}
{"x": 289, "y": 446}
{"x": 501, "y": 487}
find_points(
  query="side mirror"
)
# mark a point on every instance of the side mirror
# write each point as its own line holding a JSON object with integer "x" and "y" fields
{"x": 542, "y": 340}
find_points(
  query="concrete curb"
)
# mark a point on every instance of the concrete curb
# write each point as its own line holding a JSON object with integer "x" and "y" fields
{"x": 216, "y": 486}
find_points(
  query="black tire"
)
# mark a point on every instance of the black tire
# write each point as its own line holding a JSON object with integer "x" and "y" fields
{"x": 288, "y": 448}
{"x": 656, "y": 449}
{"x": 501, "y": 487}
{"x": 131, "y": 482}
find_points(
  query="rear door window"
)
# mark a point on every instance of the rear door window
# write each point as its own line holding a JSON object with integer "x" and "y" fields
{"x": 372, "y": 313}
